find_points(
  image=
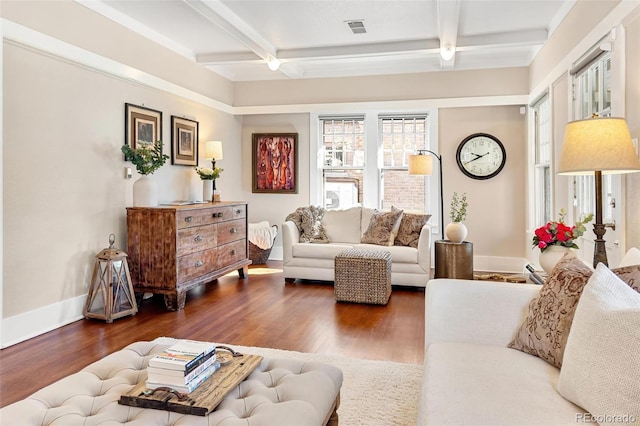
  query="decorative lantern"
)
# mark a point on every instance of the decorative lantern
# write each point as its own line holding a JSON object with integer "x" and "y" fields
{"x": 111, "y": 294}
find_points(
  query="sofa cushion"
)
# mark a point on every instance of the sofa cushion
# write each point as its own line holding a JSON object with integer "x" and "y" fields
{"x": 307, "y": 220}
{"x": 631, "y": 257}
{"x": 367, "y": 214}
{"x": 469, "y": 384}
{"x": 319, "y": 251}
{"x": 381, "y": 226}
{"x": 545, "y": 330}
{"x": 409, "y": 230}
{"x": 399, "y": 254}
{"x": 343, "y": 226}
{"x": 600, "y": 367}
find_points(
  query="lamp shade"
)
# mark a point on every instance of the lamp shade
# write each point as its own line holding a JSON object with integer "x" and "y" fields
{"x": 598, "y": 144}
{"x": 420, "y": 164}
{"x": 213, "y": 150}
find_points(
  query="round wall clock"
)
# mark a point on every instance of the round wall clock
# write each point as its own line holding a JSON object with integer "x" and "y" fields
{"x": 481, "y": 156}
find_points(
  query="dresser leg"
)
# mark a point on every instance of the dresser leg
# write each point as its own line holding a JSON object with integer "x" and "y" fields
{"x": 175, "y": 302}
{"x": 243, "y": 272}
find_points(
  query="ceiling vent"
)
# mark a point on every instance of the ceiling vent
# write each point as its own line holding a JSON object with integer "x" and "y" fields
{"x": 357, "y": 27}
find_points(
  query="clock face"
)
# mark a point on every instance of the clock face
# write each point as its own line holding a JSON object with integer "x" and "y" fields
{"x": 481, "y": 156}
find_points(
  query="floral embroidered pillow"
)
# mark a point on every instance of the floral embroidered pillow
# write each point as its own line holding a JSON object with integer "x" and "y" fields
{"x": 409, "y": 230}
{"x": 380, "y": 230}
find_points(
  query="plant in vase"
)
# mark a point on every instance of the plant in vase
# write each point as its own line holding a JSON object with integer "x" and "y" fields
{"x": 555, "y": 238}
{"x": 147, "y": 158}
{"x": 456, "y": 231}
{"x": 208, "y": 176}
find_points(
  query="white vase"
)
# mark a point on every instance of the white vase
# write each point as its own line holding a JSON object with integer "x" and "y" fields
{"x": 145, "y": 192}
{"x": 551, "y": 256}
{"x": 207, "y": 190}
{"x": 456, "y": 232}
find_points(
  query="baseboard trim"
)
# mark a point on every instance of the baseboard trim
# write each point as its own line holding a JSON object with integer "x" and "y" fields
{"x": 33, "y": 323}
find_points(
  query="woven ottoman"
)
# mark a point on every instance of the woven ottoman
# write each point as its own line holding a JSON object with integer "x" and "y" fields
{"x": 363, "y": 276}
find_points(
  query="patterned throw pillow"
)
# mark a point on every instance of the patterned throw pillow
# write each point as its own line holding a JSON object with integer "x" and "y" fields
{"x": 410, "y": 226}
{"x": 545, "y": 330}
{"x": 380, "y": 228}
{"x": 307, "y": 220}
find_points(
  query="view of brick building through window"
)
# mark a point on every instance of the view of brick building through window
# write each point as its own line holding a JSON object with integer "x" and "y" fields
{"x": 344, "y": 145}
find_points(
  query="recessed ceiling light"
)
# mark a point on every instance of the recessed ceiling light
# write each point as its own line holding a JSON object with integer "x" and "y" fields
{"x": 357, "y": 26}
{"x": 273, "y": 64}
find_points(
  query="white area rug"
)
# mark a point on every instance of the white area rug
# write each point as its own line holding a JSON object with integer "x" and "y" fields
{"x": 374, "y": 393}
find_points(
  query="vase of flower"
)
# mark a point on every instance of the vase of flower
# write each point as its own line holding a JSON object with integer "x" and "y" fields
{"x": 456, "y": 231}
{"x": 551, "y": 256}
{"x": 207, "y": 190}
{"x": 554, "y": 239}
{"x": 147, "y": 158}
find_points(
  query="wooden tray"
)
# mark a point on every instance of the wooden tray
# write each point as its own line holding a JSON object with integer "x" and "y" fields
{"x": 205, "y": 398}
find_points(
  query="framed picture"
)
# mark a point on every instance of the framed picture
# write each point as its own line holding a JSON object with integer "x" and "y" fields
{"x": 275, "y": 162}
{"x": 142, "y": 125}
{"x": 184, "y": 141}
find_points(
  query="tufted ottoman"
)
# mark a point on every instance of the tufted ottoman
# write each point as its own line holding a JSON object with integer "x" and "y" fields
{"x": 279, "y": 392}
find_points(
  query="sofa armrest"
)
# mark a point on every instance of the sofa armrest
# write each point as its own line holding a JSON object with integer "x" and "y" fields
{"x": 424, "y": 248}
{"x": 290, "y": 236}
{"x": 481, "y": 312}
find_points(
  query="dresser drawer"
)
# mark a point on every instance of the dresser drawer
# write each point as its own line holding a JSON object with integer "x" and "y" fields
{"x": 239, "y": 211}
{"x": 231, "y": 253}
{"x": 232, "y": 230}
{"x": 197, "y": 217}
{"x": 197, "y": 238}
{"x": 196, "y": 264}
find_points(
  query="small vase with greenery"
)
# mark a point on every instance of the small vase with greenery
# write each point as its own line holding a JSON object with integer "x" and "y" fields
{"x": 207, "y": 173}
{"x": 456, "y": 231}
{"x": 147, "y": 158}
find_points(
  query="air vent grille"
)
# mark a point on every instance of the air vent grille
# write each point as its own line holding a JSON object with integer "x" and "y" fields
{"x": 357, "y": 27}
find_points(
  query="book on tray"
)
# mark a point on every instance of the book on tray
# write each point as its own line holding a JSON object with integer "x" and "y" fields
{"x": 178, "y": 377}
{"x": 184, "y": 356}
{"x": 189, "y": 386}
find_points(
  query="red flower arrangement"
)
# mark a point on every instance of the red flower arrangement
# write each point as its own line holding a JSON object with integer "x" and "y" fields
{"x": 559, "y": 234}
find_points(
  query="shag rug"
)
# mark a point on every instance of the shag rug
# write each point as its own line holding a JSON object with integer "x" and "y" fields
{"x": 373, "y": 393}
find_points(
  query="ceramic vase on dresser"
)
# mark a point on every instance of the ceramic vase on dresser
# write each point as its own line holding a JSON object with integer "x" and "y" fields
{"x": 207, "y": 190}
{"x": 456, "y": 232}
{"x": 551, "y": 256}
{"x": 145, "y": 192}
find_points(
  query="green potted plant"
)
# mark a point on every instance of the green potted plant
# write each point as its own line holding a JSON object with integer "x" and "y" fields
{"x": 147, "y": 158}
{"x": 456, "y": 231}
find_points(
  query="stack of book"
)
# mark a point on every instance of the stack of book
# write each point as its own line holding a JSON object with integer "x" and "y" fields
{"x": 182, "y": 367}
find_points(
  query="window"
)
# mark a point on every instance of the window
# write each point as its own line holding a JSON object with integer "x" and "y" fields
{"x": 400, "y": 137}
{"x": 343, "y": 143}
{"x": 542, "y": 128}
{"x": 363, "y": 159}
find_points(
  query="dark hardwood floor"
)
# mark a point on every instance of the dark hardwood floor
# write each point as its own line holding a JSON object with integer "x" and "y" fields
{"x": 259, "y": 311}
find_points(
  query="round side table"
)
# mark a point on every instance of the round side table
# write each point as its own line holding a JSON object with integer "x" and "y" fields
{"x": 453, "y": 260}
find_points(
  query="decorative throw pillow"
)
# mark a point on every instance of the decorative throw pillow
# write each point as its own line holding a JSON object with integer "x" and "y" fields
{"x": 409, "y": 231}
{"x": 380, "y": 228}
{"x": 307, "y": 220}
{"x": 544, "y": 331}
{"x": 600, "y": 367}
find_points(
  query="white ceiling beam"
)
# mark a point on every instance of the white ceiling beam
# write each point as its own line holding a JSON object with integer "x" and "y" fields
{"x": 448, "y": 18}
{"x": 221, "y": 16}
{"x": 506, "y": 39}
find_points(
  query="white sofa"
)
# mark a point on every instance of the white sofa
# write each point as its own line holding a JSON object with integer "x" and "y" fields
{"x": 471, "y": 377}
{"x": 344, "y": 229}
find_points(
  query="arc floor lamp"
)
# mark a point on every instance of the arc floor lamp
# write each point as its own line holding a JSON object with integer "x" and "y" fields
{"x": 600, "y": 145}
{"x": 422, "y": 164}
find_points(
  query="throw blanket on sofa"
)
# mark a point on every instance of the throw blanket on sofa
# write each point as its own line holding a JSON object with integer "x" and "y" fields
{"x": 307, "y": 220}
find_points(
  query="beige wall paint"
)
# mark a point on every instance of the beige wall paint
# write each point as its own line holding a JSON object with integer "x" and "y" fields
{"x": 64, "y": 189}
{"x": 496, "y": 206}
{"x": 73, "y": 23}
{"x": 633, "y": 120}
{"x": 435, "y": 85}
{"x": 275, "y": 207}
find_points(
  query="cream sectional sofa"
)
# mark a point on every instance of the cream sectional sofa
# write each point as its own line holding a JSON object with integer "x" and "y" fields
{"x": 472, "y": 377}
{"x": 344, "y": 229}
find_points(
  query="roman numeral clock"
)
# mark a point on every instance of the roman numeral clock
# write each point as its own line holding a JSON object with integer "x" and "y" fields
{"x": 481, "y": 156}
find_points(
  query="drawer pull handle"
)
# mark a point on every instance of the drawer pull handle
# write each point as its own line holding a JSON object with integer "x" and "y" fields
{"x": 188, "y": 219}
{"x": 238, "y": 211}
{"x": 233, "y": 230}
{"x": 233, "y": 252}
{"x": 198, "y": 238}
{"x": 199, "y": 263}
{"x": 220, "y": 214}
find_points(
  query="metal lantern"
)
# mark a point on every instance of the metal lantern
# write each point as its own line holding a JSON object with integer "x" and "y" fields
{"x": 111, "y": 294}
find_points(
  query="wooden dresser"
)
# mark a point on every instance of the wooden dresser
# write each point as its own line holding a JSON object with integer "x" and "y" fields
{"x": 175, "y": 248}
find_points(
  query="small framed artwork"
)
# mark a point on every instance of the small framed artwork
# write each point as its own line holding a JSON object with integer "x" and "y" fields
{"x": 143, "y": 126}
{"x": 275, "y": 163}
{"x": 184, "y": 141}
